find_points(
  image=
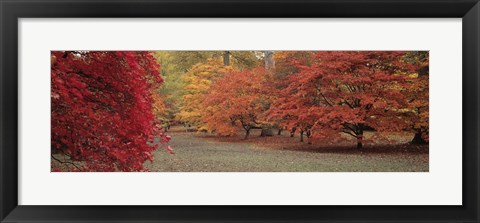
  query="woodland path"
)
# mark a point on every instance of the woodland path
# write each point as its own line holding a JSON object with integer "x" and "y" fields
{"x": 202, "y": 152}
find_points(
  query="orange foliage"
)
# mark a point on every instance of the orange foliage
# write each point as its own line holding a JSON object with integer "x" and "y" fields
{"x": 237, "y": 101}
{"x": 347, "y": 92}
{"x": 198, "y": 80}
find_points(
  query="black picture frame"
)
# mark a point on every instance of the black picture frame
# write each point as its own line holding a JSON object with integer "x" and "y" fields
{"x": 12, "y": 10}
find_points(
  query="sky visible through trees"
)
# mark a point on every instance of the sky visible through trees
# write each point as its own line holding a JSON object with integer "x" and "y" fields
{"x": 145, "y": 111}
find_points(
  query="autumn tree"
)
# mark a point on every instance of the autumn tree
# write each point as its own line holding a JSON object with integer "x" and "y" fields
{"x": 268, "y": 57}
{"x": 245, "y": 59}
{"x": 347, "y": 92}
{"x": 198, "y": 81}
{"x": 185, "y": 60}
{"x": 419, "y": 96}
{"x": 102, "y": 109}
{"x": 174, "y": 66}
{"x": 285, "y": 109}
{"x": 237, "y": 101}
{"x": 184, "y": 82}
{"x": 172, "y": 90}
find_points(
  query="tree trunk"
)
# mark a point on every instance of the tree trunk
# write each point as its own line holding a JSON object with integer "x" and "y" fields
{"x": 359, "y": 136}
{"x": 269, "y": 61}
{"x": 359, "y": 141}
{"x": 226, "y": 58}
{"x": 417, "y": 139}
{"x": 309, "y": 134}
{"x": 266, "y": 132}
{"x": 247, "y": 133}
{"x": 292, "y": 132}
{"x": 301, "y": 136}
{"x": 279, "y": 131}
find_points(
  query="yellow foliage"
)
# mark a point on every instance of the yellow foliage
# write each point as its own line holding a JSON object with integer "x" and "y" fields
{"x": 198, "y": 81}
{"x": 414, "y": 75}
{"x": 158, "y": 105}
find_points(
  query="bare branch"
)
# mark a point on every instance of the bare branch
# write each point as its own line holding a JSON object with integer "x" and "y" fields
{"x": 345, "y": 131}
{"x": 326, "y": 99}
{"x": 66, "y": 162}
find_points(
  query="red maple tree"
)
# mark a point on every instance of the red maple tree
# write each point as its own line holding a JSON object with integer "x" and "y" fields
{"x": 347, "y": 92}
{"x": 238, "y": 101}
{"x": 419, "y": 97}
{"x": 101, "y": 107}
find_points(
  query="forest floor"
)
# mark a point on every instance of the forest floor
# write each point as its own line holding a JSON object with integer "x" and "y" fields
{"x": 204, "y": 152}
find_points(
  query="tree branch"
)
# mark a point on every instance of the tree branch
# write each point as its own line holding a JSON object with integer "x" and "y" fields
{"x": 344, "y": 131}
{"x": 326, "y": 100}
{"x": 66, "y": 162}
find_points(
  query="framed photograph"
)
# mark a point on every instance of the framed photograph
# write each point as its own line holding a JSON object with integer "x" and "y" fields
{"x": 229, "y": 111}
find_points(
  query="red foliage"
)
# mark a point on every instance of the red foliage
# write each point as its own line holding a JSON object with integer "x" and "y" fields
{"x": 346, "y": 92}
{"x": 237, "y": 101}
{"x": 102, "y": 109}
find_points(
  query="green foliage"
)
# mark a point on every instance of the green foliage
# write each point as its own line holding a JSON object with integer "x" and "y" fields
{"x": 179, "y": 67}
{"x": 172, "y": 90}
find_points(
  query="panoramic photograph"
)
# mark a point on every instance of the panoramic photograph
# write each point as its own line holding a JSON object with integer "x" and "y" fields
{"x": 239, "y": 111}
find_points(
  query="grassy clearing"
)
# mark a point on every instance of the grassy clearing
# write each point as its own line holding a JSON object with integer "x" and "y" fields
{"x": 203, "y": 152}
